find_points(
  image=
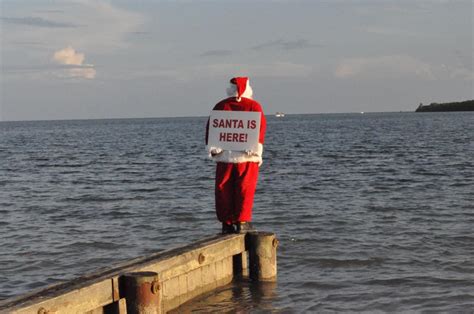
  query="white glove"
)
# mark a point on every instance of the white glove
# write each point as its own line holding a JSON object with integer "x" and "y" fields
{"x": 215, "y": 151}
{"x": 260, "y": 162}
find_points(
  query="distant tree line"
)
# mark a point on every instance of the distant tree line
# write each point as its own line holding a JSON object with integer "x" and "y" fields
{"x": 467, "y": 105}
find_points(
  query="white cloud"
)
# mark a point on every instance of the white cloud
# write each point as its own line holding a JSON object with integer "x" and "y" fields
{"x": 69, "y": 56}
{"x": 86, "y": 73}
{"x": 96, "y": 26}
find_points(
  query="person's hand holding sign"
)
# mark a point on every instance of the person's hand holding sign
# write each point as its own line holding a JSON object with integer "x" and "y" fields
{"x": 250, "y": 152}
{"x": 216, "y": 151}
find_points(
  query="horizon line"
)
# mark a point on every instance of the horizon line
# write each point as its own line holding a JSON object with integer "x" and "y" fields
{"x": 198, "y": 116}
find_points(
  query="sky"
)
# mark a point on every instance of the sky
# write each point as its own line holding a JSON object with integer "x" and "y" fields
{"x": 93, "y": 59}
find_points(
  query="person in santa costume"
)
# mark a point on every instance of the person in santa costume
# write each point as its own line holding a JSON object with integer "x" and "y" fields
{"x": 237, "y": 171}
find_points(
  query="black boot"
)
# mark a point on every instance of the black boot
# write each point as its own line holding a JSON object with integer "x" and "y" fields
{"x": 243, "y": 227}
{"x": 226, "y": 229}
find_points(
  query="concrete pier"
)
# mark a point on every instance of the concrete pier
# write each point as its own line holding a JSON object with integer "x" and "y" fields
{"x": 262, "y": 260}
{"x": 159, "y": 282}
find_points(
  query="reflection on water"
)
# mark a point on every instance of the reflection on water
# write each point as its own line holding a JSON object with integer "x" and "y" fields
{"x": 241, "y": 296}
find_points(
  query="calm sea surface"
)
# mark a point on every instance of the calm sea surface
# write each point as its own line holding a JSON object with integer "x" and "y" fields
{"x": 374, "y": 212}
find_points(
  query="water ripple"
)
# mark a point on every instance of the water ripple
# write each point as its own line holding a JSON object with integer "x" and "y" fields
{"x": 374, "y": 212}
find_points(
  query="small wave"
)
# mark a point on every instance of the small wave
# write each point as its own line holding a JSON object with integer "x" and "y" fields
{"x": 427, "y": 173}
{"x": 460, "y": 184}
{"x": 121, "y": 169}
{"x": 336, "y": 263}
{"x": 384, "y": 208}
{"x": 468, "y": 239}
{"x": 92, "y": 245}
{"x": 146, "y": 190}
{"x": 37, "y": 285}
{"x": 119, "y": 214}
{"x": 184, "y": 217}
{"x": 31, "y": 266}
{"x": 389, "y": 281}
{"x": 69, "y": 172}
{"x": 145, "y": 163}
{"x": 61, "y": 165}
{"x": 92, "y": 199}
{"x": 321, "y": 286}
{"x": 38, "y": 159}
{"x": 98, "y": 261}
{"x": 310, "y": 188}
{"x": 160, "y": 179}
{"x": 418, "y": 281}
{"x": 204, "y": 178}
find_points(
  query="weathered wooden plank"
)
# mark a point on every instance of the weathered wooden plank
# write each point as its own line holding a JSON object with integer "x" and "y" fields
{"x": 188, "y": 261}
{"x": 118, "y": 307}
{"x": 194, "y": 283}
{"x": 172, "y": 292}
{"x": 208, "y": 274}
{"x": 99, "y": 310}
{"x": 77, "y": 301}
{"x": 228, "y": 266}
{"x": 183, "y": 284}
{"x": 171, "y": 289}
{"x": 219, "y": 269}
{"x": 100, "y": 288}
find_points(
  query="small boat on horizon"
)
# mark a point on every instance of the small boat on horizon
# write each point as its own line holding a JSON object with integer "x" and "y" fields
{"x": 279, "y": 114}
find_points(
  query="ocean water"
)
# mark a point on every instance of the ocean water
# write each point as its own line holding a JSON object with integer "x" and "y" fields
{"x": 374, "y": 212}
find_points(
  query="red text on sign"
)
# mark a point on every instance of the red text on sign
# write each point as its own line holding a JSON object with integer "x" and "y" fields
{"x": 228, "y": 123}
{"x": 233, "y": 137}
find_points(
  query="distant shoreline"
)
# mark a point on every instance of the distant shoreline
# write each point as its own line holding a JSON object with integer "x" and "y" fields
{"x": 467, "y": 105}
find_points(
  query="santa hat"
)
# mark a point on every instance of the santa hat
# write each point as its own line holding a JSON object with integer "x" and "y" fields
{"x": 240, "y": 87}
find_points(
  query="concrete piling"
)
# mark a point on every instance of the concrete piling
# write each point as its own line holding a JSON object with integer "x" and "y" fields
{"x": 142, "y": 292}
{"x": 262, "y": 255}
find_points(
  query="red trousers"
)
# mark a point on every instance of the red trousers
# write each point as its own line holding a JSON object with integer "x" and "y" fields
{"x": 235, "y": 189}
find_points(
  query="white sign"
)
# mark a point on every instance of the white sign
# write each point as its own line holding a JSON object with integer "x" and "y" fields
{"x": 234, "y": 130}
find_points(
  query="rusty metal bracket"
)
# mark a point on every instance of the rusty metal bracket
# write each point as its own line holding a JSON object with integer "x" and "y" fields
{"x": 155, "y": 287}
{"x": 275, "y": 242}
{"x": 201, "y": 258}
{"x": 42, "y": 310}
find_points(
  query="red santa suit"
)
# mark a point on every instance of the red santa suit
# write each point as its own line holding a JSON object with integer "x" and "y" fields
{"x": 237, "y": 171}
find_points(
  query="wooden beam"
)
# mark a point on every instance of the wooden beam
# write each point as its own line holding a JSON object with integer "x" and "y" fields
{"x": 98, "y": 289}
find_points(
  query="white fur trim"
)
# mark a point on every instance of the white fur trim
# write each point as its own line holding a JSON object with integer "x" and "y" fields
{"x": 232, "y": 91}
{"x": 236, "y": 157}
